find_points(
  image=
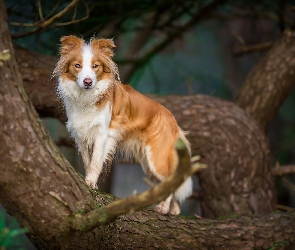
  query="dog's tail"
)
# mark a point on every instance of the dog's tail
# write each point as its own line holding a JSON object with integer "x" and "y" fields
{"x": 186, "y": 188}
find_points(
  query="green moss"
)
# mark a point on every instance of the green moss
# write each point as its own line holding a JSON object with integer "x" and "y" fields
{"x": 277, "y": 244}
{"x": 228, "y": 217}
{"x": 187, "y": 216}
{"x": 103, "y": 218}
{"x": 81, "y": 211}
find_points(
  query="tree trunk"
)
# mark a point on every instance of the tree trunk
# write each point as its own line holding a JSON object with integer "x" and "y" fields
{"x": 270, "y": 82}
{"x": 43, "y": 192}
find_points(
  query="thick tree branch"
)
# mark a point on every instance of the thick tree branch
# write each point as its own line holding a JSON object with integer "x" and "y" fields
{"x": 247, "y": 232}
{"x": 269, "y": 82}
{"x": 110, "y": 212}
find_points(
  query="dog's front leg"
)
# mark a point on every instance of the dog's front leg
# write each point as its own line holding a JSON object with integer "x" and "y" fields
{"x": 96, "y": 161}
{"x": 85, "y": 154}
{"x": 111, "y": 145}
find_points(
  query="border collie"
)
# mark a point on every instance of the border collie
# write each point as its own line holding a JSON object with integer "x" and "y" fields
{"x": 105, "y": 116}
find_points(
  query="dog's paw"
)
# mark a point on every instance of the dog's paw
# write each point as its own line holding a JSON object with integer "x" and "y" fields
{"x": 174, "y": 208}
{"x": 91, "y": 183}
{"x": 162, "y": 208}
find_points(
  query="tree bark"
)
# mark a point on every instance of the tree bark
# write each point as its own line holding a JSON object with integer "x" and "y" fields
{"x": 270, "y": 82}
{"x": 238, "y": 179}
{"x": 38, "y": 186}
{"x": 153, "y": 231}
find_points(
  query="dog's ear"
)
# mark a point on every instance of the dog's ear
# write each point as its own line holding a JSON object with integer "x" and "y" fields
{"x": 105, "y": 45}
{"x": 69, "y": 43}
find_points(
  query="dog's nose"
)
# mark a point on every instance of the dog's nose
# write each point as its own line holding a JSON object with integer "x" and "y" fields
{"x": 87, "y": 82}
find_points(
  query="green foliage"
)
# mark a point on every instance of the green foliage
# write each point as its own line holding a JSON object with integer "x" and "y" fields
{"x": 10, "y": 233}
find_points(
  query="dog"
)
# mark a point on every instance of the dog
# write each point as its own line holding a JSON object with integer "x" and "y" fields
{"x": 106, "y": 116}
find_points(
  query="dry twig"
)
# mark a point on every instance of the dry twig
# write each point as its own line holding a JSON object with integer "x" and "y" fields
{"x": 283, "y": 170}
{"x": 251, "y": 48}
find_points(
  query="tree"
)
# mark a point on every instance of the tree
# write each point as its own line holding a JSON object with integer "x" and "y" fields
{"x": 48, "y": 197}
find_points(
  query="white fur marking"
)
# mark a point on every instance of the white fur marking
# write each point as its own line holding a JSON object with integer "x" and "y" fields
{"x": 185, "y": 190}
{"x": 86, "y": 71}
{"x": 151, "y": 164}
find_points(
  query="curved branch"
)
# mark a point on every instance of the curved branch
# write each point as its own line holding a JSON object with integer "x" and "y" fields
{"x": 269, "y": 82}
{"x": 110, "y": 212}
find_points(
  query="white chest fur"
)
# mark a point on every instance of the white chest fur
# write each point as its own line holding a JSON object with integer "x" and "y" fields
{"x": 86, "y": 122}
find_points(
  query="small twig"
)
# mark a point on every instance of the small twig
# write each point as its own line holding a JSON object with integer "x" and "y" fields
{"x": 53, "y": 9}
{"x": 248, "y": 49}
{"x": 75, "y": 12}
{"x": 196, "y": 195}
{"x": 283, "y": 170}
{"x": 197, "y": 216}
{"x": 147, "y": 181}
{"x": 288, "y": 184}
{"x": 284, "y": 208}
{"x": 40, "y": 11}
{"x": 239, "y": 38}
{"x": 67, "y": 142}
{"x": 74, "y": 16}
{"x": 108, "y": 213}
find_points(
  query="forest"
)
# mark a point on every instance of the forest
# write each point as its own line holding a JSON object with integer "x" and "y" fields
{"x": 226, "y": 71}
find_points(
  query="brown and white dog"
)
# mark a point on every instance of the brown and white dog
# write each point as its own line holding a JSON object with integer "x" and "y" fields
{"x": 105, "y": 116}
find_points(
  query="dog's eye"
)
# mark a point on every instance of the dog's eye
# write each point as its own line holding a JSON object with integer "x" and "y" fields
{"x": 77, "y": 65}
{"x": 95, "y": 66}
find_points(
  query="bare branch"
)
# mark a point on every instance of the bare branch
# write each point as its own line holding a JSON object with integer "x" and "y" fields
{"x": 74, "y": 20}
{"x": 283, "y": 170}
{"x": 49, "y": 22}
{"x": 40, "y": 11}
{"x": 200, "y": 15}
{"x": 108, "y": 213}
{"x": 251, "y": 48}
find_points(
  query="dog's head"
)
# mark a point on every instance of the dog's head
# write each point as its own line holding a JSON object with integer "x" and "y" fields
{"x": 86, "y": 63}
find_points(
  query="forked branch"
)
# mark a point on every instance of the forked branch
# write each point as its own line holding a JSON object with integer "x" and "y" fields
{"x": 44, "y": 24}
